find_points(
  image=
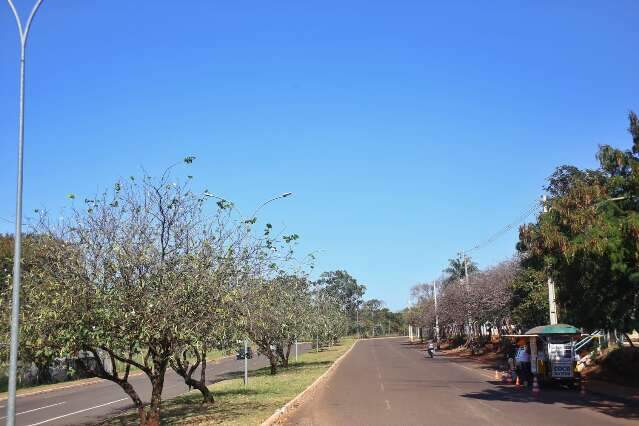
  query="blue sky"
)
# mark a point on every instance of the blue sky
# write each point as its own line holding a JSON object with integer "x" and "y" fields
{"x": 407, "y": 131}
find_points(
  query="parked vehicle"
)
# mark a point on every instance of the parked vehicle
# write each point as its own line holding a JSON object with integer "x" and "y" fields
{"x": 240, "y": 353}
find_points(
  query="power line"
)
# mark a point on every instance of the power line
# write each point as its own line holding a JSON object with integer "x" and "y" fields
{"x": 532, "y": 209}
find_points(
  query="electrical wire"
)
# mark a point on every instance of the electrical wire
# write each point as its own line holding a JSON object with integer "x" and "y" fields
{"x": 532, "y": 209}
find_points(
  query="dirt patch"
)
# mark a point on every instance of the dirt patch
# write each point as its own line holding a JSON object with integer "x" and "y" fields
{"x": 620, "y": 366}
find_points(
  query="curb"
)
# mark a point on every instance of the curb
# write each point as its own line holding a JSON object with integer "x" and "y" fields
{"x": 292, "y": 403}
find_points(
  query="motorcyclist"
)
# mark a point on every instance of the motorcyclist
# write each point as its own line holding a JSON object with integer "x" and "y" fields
{"x": 431, "y": 348}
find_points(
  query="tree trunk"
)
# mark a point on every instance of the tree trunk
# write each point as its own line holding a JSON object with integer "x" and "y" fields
{"x": 152, "y": 415}
{"x": 44, "y": 373}
{"x": 272, "y": 359}
{"x": 280, "y": 354}
{"x": 632, "y": 345}
{"x": 207, "y": 396}
{"x": 182, "y": 368}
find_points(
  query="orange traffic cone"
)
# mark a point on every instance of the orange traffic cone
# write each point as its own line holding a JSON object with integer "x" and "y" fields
{"x": 517, "y": 381}
{"x": 535, "y": 388}
{"x": 496, "y": 375}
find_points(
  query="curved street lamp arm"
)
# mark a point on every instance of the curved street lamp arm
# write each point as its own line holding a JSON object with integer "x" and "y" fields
{"x": 24, "y": 34}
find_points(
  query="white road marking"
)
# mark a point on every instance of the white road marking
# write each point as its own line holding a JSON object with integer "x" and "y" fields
{"x": 388, "y": 407}
{"x": 77, "y": 412}
{"x": 36, "y": 409}
{"x": 381, "y": 385}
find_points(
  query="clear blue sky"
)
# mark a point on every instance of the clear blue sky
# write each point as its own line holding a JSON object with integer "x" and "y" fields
{"x": 407, "y": 130}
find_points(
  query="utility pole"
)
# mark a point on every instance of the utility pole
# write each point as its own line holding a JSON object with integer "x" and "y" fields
{"x": 357, "y": 320}
{"x": 552, "y": 301}
{"x": 436, "y": 313}
{"x": 467, "y": 290}
{"x": 389, "y": 326}
{"x": 15, "y": 307}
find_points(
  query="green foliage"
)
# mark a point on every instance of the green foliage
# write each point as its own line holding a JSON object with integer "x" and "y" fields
{"x": 589, "y": 239}
{"x": 457, "y": 267}
{"x": 343, "y": 288}
{"x": 529, "y": 299}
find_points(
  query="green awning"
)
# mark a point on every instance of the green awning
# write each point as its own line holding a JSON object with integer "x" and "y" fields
{"x": 554, "y": 329}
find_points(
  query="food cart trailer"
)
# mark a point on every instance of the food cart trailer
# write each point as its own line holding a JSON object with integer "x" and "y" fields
{"x": 552, "y": 352}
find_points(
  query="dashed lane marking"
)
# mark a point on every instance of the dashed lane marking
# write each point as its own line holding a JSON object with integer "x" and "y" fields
{"x": 77, "y": 412}
{"x": 388, "y": 407}
{"x": 36, "y": 409}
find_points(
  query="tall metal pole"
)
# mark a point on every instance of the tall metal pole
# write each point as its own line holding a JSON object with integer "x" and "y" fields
{"x": 15, "y": 309}
{"x": 245, "y": 362}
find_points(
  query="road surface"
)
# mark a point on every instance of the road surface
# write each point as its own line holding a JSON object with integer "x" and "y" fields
{"x": 388, "y": 382}
{"x": 89, "y": 404}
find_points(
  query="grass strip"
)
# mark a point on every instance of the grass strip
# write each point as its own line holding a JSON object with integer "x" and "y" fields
{"x": 236, "y": 404}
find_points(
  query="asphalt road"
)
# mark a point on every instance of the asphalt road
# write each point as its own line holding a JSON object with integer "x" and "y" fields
{"x": 388, "y": 382}
{"x": 90, "y": 404}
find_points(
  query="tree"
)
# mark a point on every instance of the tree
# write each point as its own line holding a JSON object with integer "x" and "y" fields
{"x": 529, "y": 299}
{"x": 45, "y": 303}
{"x": 344, "y": 289}
{"x": 456, "y": 269}
{"x": 277, "y": 312}
{"x": 589, "y": 239}
{"x": 132, "y": 253}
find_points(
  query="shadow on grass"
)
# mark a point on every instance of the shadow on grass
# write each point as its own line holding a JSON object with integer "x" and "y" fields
{"x": 228, "y": 405}
{"x": 570, "y": 399}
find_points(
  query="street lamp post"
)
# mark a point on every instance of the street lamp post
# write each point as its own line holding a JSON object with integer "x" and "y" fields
{"x": 15, "y": 309}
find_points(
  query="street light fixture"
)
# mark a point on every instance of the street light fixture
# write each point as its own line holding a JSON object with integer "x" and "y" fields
{"x": 15, "y": 307}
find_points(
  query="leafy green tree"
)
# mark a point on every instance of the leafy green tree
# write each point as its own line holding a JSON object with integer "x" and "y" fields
{"x": 589, "y": 239}
{"x": 529, "y": 299}
{"x": 345, "y": 290}
{"x": 276, "y": 312}
{"x": 456, "y": 269}
{"x": 45, "y": 304}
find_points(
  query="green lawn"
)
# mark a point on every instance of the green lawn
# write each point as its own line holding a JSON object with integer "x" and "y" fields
{"x": 251, "y": 405}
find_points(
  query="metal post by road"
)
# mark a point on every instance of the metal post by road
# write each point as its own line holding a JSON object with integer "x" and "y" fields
{"x": 552, "y": 301}
{"x": 245, "y": 362}
{"x": 470, "y": 329}
{"x": 15, "y": 309}
{"x": 436, "y": 313}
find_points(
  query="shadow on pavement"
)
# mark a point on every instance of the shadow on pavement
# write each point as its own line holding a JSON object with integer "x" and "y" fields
{"x": 569, "y": 398}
